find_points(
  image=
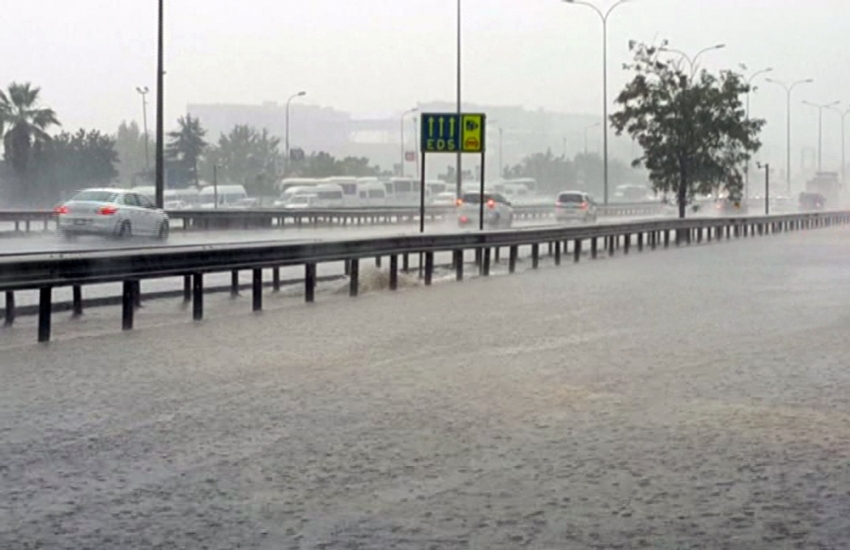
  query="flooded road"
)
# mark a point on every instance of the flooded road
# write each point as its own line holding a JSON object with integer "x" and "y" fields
{"x": 693, "y": 398}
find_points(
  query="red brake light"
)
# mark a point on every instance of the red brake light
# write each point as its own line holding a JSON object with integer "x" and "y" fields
{"x": 584, "y": 206}
{"x": 60, "y": 210}
{"x": 464, "y": 219}
{"x": 459, "y": 202}
{"x": 559, "y": 204}
{"x": 491, "y": 203}
{"x": 107, "y": 210}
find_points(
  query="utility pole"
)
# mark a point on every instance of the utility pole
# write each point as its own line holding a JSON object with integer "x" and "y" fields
{"x": 160, "y": 104}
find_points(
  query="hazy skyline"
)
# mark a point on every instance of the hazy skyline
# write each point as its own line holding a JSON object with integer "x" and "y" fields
{"x": 380, "y": 57}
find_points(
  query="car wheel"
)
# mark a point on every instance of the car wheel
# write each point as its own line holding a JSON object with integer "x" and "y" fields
{"x": 124, "y": 230}
{"x": 162, "y": 234}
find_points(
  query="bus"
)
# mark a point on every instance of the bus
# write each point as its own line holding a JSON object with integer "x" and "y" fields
{"x": 403, "y": 191}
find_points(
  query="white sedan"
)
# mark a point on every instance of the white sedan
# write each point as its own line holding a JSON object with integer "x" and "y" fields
{"x": 119, "y": 213}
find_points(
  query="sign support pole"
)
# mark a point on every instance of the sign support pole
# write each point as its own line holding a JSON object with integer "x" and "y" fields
{"x": 422, "y": 196}
{"x": 481, "y": 198}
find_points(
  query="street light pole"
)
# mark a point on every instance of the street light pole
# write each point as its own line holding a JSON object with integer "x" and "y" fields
{"x": 403, "y": 115}
{"x": 747, "y": 167}
{"x": 160, "y": 103}
{"x": 843, "y": 150}
{"x": 143, "y": 90}
{"x": 286, "y": 138}
{"x": 788, "y": 90}
{"x": 459, "y": 93}
{"x": 692, "y": 62}
{"x": 604, "y": 18}
{"x": 820, "y": 108}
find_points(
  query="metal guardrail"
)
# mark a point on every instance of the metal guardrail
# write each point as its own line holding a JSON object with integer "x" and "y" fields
{"x": 225, "y": 218}
{"x": 45, "y": 272}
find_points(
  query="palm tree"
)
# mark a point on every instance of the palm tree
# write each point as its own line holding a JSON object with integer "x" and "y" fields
{"x": 187, "y": 145}
{"x": 24, "y": 123}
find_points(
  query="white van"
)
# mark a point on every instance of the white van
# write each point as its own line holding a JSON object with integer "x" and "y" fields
{"x": 349, "y": 188}
{"x": 403, "y": 191}
{"x": 371, "y": 193}
{"x": 173, "y": 199}
{"x": 228, "y": 195}
{"x": 326, "y": 195}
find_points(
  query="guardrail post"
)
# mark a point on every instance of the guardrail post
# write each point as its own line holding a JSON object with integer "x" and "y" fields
{"x": 77, "y": 292}
{"x": 10, "y": 309}
{"x": 535, "y": 255}
{"x": 197, "y": 296}
{"x": 127, "y": 305}
{"x": 378, "y": 262}
{"x": 640, "y": 241}
{"x": 593, "y": 246}
{"x": 653, "y": 239}
{"x": 45, "y": 307}
{"x": 458, "y": 261}
{"x": 577, "y": 250}
{"x": 667, "y": 238}
{"x": 257, "y": 290}
{"x": 679, "y": 237}
{"x": 354, "y": 278}
{"x": 310, "y": 283}
{"x": 627, "y": 242}
{"x": 405, "y": 262}
{"x": 276, "y": 279}
{"x": 429, "y": 267}
{"x": 393, "y": 272}
{"x": 612, "y": 241}
{"x": 485, "y": 263}
{"x": 557, "y": 245}
{"x": 234, "y": 284}
{"x": 187, "y": 288}
{"x": 699, "y": 234}
{"x": 137, "y": 294}
{"x": 513, "y": 252}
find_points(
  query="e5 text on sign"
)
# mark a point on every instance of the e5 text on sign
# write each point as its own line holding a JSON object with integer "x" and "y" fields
{"x": 450, "y": 133}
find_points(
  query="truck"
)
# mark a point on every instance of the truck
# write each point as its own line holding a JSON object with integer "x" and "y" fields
{"x": 827, "y": 186}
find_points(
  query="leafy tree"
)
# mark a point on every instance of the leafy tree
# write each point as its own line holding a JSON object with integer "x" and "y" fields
{"x": 692, "y": 127}
{"x": 325, "y": 165}
{"x": 186, "y": 148}
{"x": 70, "y": 162}
{"x": 134, "y": 168}
{"x": 551, "y": 173}
{"x": 23, "y": 125}
{"x": 246, "y": 156}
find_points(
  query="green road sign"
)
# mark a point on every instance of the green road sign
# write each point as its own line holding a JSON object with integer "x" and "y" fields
{"x": 451, "y": 132}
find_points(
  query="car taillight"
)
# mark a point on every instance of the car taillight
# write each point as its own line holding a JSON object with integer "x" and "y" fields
{"x": 459, "y": 202}
{"x": 464, "y": 219}
{"x": 60, "y": 210}
{"x": 491, "y": 203}
{"x": 559, "y": 204}
{"x": 107, "y": 210}
{"x": 584, "y": 206}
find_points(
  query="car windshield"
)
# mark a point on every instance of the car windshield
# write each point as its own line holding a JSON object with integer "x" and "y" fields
{"x": 95, "y": 196}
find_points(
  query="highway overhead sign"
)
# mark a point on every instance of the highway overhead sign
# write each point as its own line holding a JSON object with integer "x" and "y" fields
{"x": 452, "y": 132}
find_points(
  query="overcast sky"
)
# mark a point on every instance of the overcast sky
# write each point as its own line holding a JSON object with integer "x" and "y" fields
{"x": 382, "y": 56}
